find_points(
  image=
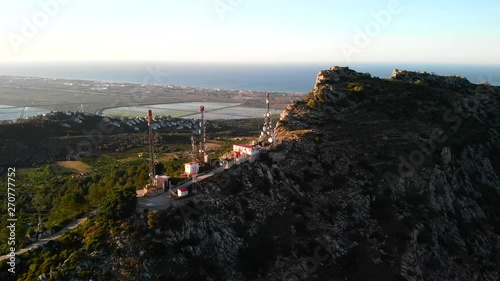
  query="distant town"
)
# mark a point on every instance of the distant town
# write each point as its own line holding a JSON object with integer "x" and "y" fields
{"x": 126, "y": 124}
{"x": 28, "y": 96}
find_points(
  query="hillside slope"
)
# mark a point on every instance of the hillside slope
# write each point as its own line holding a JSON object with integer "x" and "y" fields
{"x": 373, "y": 179}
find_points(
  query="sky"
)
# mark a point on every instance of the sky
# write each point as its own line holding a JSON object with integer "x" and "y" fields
{"x": 251, "y": 31}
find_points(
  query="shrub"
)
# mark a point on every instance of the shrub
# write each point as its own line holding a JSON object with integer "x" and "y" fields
{"x": 119, "y": 204}
{"x": 153, "y": 219}
{"x": 356, "y": 87}
{"x": 311, "y": 103}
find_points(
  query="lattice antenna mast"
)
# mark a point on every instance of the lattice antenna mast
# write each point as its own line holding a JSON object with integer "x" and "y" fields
{"x": 193, "y": 145}
{"x": 152, "y": 171}
{"x": 203, "y": 136}
{"x": 267, "y": 133}
{"x": 23, "y": 110}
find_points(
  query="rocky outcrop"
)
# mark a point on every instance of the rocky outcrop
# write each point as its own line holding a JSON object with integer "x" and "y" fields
{"x": 454, "y": 82}
{"x": 380, "y": 180}
{"x": 423, "y": 166}
{"x": 337, "y": 73}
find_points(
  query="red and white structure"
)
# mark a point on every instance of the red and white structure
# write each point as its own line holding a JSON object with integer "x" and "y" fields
{"x": 156, "y": 184}
{"x": 192, "y": 168}
{"x": 183, "y": 191}
{"x": 162, "y": 182}
{"x": 245, "y": 150}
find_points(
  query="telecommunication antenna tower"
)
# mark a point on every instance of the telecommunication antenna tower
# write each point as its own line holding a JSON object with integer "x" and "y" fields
{"x": 152, "y": 171}
{"x": 203, "y": 136}
{"x": 267, "y": 134}
{"x": 23, "y": 110}
{"x": 193, "y": 145}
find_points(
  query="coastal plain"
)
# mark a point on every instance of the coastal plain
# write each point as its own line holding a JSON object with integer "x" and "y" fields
{"x": 34, "y": 95}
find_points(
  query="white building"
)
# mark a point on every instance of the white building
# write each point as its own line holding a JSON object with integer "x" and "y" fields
{"x": 246, "y": 149}
{"x": 183, "y": 191}
{"x": 192, "y": 168}
{"x": 162, "y": 182}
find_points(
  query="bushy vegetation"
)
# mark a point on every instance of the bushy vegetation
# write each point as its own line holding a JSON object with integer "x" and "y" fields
{"x": 100, "y": 162}
{"x": 66, "y": 253}
{"x": 118, "y": 204}
{"x": 239, "y": 127}
{"x": 175, "y": 167}
{"x": 59, "y": 196}
{"x": 356, "y": 87}
{"x": 311, "y": 103}
{"x": 63, "y": 256}
{"x": 315, "y": 97}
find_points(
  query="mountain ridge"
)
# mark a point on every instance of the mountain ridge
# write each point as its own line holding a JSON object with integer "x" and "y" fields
{"x": 371, "y": 179}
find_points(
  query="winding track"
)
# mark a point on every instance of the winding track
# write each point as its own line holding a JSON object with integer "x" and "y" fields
{"x": 74, "y": 224}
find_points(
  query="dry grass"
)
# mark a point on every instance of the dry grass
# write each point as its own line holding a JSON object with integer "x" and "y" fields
{"x": 75, "y": 165}
{"x": 293, "y": 134}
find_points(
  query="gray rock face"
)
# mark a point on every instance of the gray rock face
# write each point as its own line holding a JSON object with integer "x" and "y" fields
{"x": 430, "y": 166}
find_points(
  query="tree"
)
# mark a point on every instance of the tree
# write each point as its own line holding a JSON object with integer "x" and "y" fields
{"x": 119, "y": 203}
{"x": 160, "y": 168}
{"x": 153, "y": 219}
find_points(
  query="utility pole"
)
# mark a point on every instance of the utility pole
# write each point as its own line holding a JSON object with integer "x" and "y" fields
{"x": 40, "y": 224}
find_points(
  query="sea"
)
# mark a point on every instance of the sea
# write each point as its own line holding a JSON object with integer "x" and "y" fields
{"x": 295, "y": 78}
{"x": 298, "y": 78}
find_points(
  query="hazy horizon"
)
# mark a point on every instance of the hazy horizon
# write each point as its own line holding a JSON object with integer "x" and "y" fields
{"x": 255, "y": 45}
{"x": 257, "y": 77}
{"x": 212, "y": 31}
